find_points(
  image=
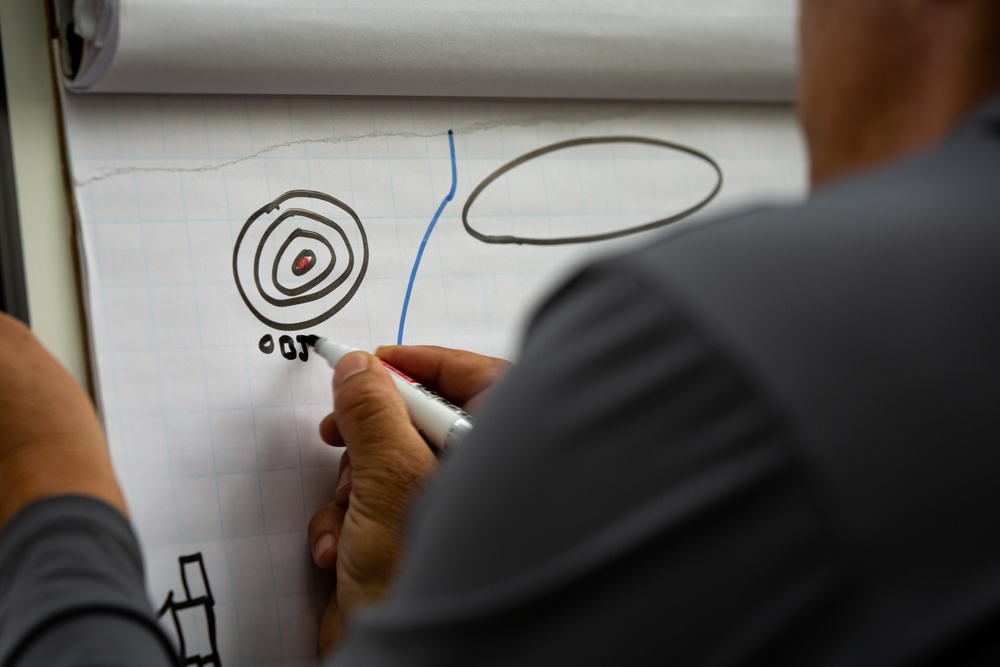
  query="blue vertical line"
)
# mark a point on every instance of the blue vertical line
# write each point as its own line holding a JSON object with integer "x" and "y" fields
{"x": 427, "y": 235}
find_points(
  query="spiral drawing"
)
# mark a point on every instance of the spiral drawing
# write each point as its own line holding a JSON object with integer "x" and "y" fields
{"x": 300, "y": 259}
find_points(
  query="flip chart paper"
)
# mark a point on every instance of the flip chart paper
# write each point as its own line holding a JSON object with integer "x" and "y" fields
{"x": 596, "y": 49}
{"x": 210, "y": 408}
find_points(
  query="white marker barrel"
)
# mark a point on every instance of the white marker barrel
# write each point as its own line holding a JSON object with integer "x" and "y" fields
{"x": 441, "y": 423}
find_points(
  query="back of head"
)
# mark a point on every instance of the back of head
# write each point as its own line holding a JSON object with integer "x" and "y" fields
{"x": 882, "y": 78}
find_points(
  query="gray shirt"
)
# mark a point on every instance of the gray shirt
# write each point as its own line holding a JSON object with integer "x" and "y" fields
{"x": 768, "y": 439}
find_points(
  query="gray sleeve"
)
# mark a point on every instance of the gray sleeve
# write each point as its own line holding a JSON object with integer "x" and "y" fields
{"x": 627, "y": 497}
{"x": 72, "y": 590}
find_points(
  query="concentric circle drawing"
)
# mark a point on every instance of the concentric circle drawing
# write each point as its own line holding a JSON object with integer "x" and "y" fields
{"x": 710, "y": 194}
{"x": 300, "y": 259}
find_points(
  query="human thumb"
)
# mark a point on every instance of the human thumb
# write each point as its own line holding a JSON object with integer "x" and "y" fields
{"x": 372, "y": 417}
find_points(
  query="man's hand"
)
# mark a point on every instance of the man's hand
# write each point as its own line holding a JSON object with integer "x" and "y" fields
{"x": 50, "y": 440}
{"x": 359, "y": 533}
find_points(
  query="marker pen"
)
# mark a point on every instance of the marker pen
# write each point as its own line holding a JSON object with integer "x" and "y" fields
{"x": 438, "y": 421}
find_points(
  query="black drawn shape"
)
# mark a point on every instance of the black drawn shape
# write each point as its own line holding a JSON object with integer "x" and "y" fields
{"x": 266, "y": 344}
{"x": 287, "y": 347}
{"x": 195, "y": 611}
{"x": 608, "y": 182}
{"x": 303, "y": 262}
{"x": 299, "y": 259}
{"x": 304, "y": 345}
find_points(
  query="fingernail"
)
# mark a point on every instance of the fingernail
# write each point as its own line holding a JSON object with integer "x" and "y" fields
{"x": 350, "y": 364}
{"x": 322, "y": 546}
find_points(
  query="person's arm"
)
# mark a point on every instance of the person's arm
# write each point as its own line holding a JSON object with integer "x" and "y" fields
{"x": 626, "y": 496}
{"x": 72, "y": 589}
{"x": 71, "y": 578}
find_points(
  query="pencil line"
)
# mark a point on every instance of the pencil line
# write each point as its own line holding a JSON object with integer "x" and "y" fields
{"x": 562, "y": 117}
{"x": 427, "y": 235}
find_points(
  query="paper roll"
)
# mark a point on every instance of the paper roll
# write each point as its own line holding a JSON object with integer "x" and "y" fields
{"x": 715, "y": 50}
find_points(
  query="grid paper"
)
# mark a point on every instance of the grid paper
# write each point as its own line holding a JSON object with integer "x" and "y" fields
{"x": 214, "y": 440}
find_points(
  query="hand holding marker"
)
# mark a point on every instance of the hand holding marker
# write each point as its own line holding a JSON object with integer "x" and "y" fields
{"x": 438, "y": 421}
